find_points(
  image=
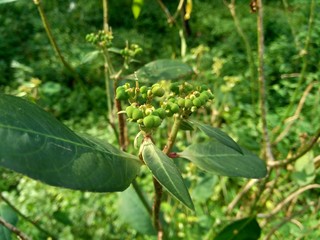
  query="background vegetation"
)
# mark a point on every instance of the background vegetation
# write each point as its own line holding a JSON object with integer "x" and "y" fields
{"x": 221, "y": 46}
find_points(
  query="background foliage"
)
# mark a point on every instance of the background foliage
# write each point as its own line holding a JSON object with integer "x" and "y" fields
{"x": 219, "y": 56}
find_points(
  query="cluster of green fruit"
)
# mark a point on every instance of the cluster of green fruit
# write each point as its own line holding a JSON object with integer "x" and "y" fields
{"x": 131, "y": 51}
{"x": 149, "y": 106}
{"x": 101, "y": 38}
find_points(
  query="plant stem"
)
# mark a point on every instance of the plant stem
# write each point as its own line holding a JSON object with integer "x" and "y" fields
{"x": 156, "y": 208}
{"x": 27, "y": 218}
{"x": 142, "y": 197}
{"x": 304, "y": 54}
{"x": 13, "y": 229}
{"x": 262, "y": 83}
{"x": 157, "y": 185}
{"x": 57, "y": 49}
{"x": 250, "y": 58}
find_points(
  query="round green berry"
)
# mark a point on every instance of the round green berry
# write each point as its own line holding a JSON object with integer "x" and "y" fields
{"x": 188, "y": 103}
{"x": 143, "y": 89}
{"x": 161, "y": 113}
{"x": 181, "y": 102}
{"x": 137, "y": 114}
{"x": 158, "y": 91}
{"x": 197, "y": 102}
{"x": 157, "y": 121}
{"x": 174, "y": 108}
{"x": 148, "y": 121}
{"x": 204, "y": 87}
{"x": 129, "y": 111}
{"x": 122, "y": 95}
{"x": 174, "y": 87}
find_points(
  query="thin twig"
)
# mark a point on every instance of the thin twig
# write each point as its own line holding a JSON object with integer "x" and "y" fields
{"x": 250, "y": 58}
{"x": 241, "y": 193}
{"x": 295, "y": 116}
{"x": 304, "y": 55}
{"x": 142, "y": 197}
{"x": 299, "y": 154}
{"x": 27, "y": 218}
{"x": 284, "y": 221}
{"x": 287, "y": 200}
{"x": 14, "y": 229}
{"x": 166, "y": 12}
{"x": 262, "y": 83}
{"x": 57, "y": 49}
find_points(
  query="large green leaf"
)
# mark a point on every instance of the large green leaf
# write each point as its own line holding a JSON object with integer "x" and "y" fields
{"x": 166, "y": 172}
{"x": 164, "y": 69}
{"x": 218, "y": 135}
{"x": 10, "y": 216}
{"x": 37, "y": 145}
{"x": 133, "y": 212}
{"x": 217, "y": 158}
{"x": 243, "y": 229}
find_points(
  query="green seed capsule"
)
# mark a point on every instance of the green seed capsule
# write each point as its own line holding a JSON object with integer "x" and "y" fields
{"x": 174, "y": 108}
{"x": 204, "y": 87}
{"x": 129, "y": 111}
{"x": 161, "y": 113}
{"x": 143, "y": 89}
{"x": 120, "y": 89}
{"x": 137, "y": 114}
{"x": 158, "y": 91}
{"x": 188, "y": 103}
{"x": 148, "y": 121}
{"x": 157, "y": 121}
{"x": 197, "y": 102}
{"x": 174, "y": 87}
{"x": 122, "y": 95}
{"x": 181, "y": 102}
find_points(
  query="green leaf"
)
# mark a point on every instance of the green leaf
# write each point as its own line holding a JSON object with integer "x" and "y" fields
{"x": 219, "y": 159}
{"x": 37, "y": 145}
{"x": 10, "y": 216}
{"x": 204, "y": 188}
{"x": 218, "y": 135}
{"x": 166, "y": 172}
{"x": 91, "y": 56}
{"x": 304, "y": 169}
{"x": 243, "y": 229}
{"x": 186, "y": 126}
{"x": 133, "y": 212}
{"x": 7, "y": 1}
{"x": 164, "y": 69}
{"x": 136, "y": 8}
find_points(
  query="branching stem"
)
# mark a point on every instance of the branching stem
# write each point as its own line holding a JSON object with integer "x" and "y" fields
{"x": 27, "y": 218}
{"x": 262, "y": 83}
{"x": 13, "y": 229}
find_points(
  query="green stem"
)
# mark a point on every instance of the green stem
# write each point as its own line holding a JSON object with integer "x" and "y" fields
{"x": 142, "y": 197}
{"x": 57, "y": 49}
{"x": 250, "y": 58}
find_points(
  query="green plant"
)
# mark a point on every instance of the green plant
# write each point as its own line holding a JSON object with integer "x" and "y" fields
{"x": 161, "y": 105}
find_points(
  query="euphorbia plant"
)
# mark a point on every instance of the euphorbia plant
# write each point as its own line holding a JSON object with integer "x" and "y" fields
{"x": 37, "y": 145}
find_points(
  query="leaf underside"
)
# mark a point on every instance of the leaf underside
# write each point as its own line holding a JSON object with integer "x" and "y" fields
{"x": 166, "y": 172}
{"x": 163, "y": 69}
{"x": 37, "y": 145}
{"x": 218, "y": 135}
{"x": 217, "y": 158}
